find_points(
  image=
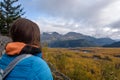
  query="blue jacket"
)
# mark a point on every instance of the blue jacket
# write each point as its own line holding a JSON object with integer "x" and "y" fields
{"x": 31, "y": 68}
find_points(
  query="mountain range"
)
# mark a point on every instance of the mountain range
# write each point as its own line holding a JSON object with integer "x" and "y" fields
{"x": 73, "y": 39}
{"x": 115, "y": 44}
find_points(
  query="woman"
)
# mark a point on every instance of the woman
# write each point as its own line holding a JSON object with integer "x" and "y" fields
{"x": 25, "y": 36}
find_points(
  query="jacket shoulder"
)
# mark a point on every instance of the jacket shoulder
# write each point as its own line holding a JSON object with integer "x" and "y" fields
{"x": 40, "y": 69}
{"x": 34, "y": 66}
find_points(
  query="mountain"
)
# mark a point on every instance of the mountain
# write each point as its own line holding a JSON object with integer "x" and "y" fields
{"x": 74, "y": 36}
{"x": 73, "y": 39}
{"x": 73, "y": 43}
{"x": 50, "y": 37}
{"x": 104, "y": 41}
{"x": 115, "y": 44}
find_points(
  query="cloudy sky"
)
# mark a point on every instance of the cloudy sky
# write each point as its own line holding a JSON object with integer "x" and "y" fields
{"x": 99, "y": 18}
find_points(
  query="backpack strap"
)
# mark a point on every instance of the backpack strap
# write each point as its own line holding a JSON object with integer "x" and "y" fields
{"x": 14, "y": 63}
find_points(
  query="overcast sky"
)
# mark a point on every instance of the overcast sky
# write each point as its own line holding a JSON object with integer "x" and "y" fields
{"x": 99, "y": 18}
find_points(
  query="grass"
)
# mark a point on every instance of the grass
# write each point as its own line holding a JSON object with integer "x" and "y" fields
{"x": 86, "y": 63}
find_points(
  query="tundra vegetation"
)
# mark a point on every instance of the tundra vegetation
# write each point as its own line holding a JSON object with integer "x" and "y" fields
{"x": 85, "y": 63}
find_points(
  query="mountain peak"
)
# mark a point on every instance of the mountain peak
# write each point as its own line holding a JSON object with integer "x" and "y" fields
{"x": 74, "y": 37}
{"x": 55, "y": 33}
{"x": 73, "y": 33}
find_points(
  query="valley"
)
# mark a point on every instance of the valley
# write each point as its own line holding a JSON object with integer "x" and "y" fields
{"x": 90, "y": 63}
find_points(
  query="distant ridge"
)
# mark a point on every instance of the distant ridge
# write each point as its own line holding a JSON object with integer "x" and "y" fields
{"x": 115, "y": 44}
{"x": 73, "y": 39}
{"x": 73, "y": 43}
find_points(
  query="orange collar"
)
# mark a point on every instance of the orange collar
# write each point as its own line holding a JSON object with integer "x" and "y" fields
{"x": 14, "y": 48}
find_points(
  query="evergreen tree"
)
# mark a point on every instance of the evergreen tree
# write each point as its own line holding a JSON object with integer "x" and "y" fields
{"x": 9, "y": 12}
{"x": 2, "y": 21}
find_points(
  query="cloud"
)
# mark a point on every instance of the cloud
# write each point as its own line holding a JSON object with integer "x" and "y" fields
{"x": 78, "y": 10}
{"x": 115, "y": 24}
{"x": 51, "y": 25}
{"x": 99, "y": 18}
{"x": 110, "y": 13}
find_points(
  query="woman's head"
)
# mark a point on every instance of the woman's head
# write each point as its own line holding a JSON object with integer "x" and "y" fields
{"x": 26, "y": 31}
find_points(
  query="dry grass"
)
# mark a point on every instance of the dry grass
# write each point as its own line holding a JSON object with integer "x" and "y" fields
{"x": 86, "y": 63}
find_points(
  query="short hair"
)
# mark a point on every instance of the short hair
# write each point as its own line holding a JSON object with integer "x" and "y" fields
{"x": 26, "y": 31}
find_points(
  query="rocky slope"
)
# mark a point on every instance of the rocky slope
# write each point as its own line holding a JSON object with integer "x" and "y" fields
{"x": 3, "y": 41}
